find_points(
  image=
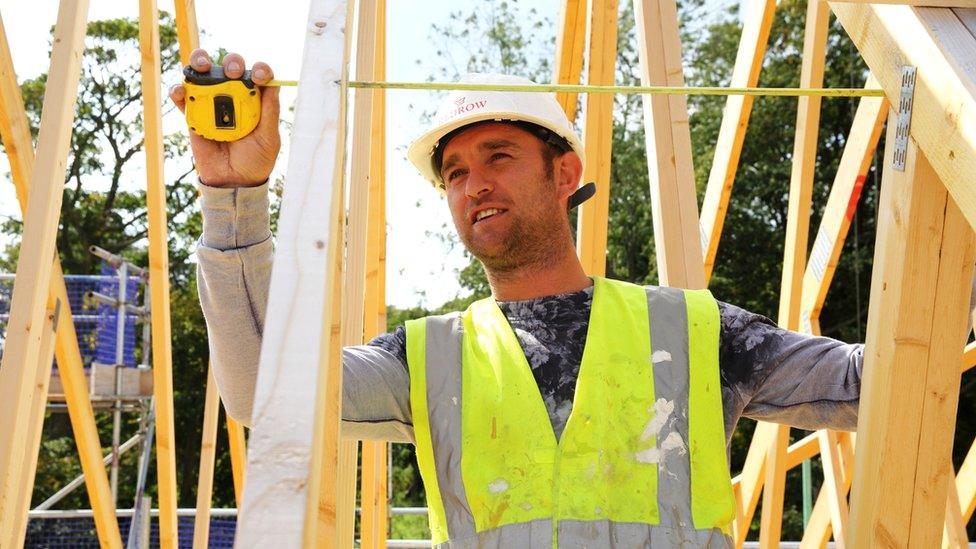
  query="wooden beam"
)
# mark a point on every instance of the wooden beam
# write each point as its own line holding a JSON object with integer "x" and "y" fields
{"x": 758, "y": 19}
{"x": 162, "y": 352}
{"x": 919, "y": 3}
{"x": 944, "y": 105}
{"x": 187, "y": 31}
{"x": 969, "y": 357}
{"x": 752, "y": 479}
{"x": 16, "y": 136}
{"x": 373, "y": 524}
{"x": 570, "y": 41}
{"x": 208, "y": 453}
{"x": 35, "y": 419}
{"x": 674, "y": 200}
{"x": 954, "y": 531}
{"x": 591, "y": 241}
{"x": 26, "y": 325}
{"x": 917, "y": 323}
{"x": 238, "y": 456}
{"x": 966, "y": 484}
{"x": 819, "y": 528}
{"x": 845, "y": 193}
{"x": 286, "y": 447}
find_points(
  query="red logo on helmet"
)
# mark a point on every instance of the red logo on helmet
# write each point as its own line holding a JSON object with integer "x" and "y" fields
{"x": 459, "y": 101}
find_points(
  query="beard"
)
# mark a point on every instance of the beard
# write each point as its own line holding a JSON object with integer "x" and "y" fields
{"x": 531, "y": 239}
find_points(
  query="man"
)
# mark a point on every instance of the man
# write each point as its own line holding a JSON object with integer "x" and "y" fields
{"x": 565, "y": 411}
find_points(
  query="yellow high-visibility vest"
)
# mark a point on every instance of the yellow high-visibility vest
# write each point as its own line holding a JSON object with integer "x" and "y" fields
{"x": 641, "y": 461}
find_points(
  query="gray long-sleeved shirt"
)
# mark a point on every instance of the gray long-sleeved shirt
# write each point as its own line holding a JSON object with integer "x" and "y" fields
{"x": 766, "y": 372}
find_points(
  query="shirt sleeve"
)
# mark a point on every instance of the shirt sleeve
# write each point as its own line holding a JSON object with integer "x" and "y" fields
{"x": 234, "y": 258}
{"x": 786, "y": 377}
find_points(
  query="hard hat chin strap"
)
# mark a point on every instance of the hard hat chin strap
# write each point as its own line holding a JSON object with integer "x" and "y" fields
{"x": 582, "y": 194}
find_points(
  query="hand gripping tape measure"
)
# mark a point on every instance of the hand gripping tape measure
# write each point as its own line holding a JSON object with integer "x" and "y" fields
{"x": 221, "y": 108}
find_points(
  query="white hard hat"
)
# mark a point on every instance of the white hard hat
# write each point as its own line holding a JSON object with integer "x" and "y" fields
{"x": 461, "y": 108}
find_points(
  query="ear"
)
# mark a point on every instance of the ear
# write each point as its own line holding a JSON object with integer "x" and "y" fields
{"x": 568, "y": 172}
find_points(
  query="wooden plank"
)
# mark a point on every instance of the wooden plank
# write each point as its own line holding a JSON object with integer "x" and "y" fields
{"x": 570, "y": 42}
{"x": 373, "y": 524}
{"x": 944, "y": 105}
{"x": 752, "y": 479}
{"x": 591, "y": 241}
{"x": 834, "y": 487}
{"x": 966, "y": 484}
{"x": 284, "y": 456}
{"x": 841, "y": 204}
{"x": 920, "y": 3}
{"x": 187, "y": 31}
{"x": 758, "y": 19}
{"x": 36, "y": 418}
{"x": 819, "y": 528}
{"x": 162, "y": 353}
{"x": 25, "y": 326}
{"x": 208, "y": 453}
{"x": 238, "y": 456}
{"x": 954, "y": 531}
{"x": 923, "y": 268}
{"x": 795, "y": 248}
{"x": 16, "y": 136}
{"x": 674, "y": 201}
{"x": 969, "y": 357}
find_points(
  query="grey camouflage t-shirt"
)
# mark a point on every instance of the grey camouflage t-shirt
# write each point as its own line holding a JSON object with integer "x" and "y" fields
{"x": 552, "y": 333}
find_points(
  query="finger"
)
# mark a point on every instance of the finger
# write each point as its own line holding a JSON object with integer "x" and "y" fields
{"x": 261, "y": 73}
{"x": 177, "y": 94}
{"x": 200, "y": 60}
{"x": 270, "y": 112}
{"x": 233, "y": 65}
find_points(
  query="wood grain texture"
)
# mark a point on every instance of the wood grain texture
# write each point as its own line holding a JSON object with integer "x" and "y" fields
{"x": 162, "y": 352}
{"x": 26, "y": 325}
{"x": 944, "y": 106}
{"x": 297, "y": 361}
{"x": 187, "y": 31}
{"x": 758, "y": 19}
{"x": 671, "y": 173}
{"x": 238, "y": 456}
{"x": 208, "y": 453}
{"x": 570, "y": 52}
{"x": 923, "y": 266}
{"x": 591, "y": 240}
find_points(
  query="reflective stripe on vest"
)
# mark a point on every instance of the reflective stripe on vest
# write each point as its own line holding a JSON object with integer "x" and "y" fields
{"x": 494, "y": 472}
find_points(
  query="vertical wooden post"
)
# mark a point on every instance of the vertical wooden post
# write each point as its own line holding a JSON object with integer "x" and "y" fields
{"x": 35, "y": 419}
{"x": 795, "y": 249}
{"x": 187, "y": 31}
{"x": 601, "y": 48}
{"x": 923, "y": 266}
{"x": 373, "y": 523}
{"x": 238, "y": 456}
{"x": 208, "y": 452}
{"x": 954, "y": 532}
{"x": 26, "y": 324}
{"x": 162, "y": 353}
{"x": 15, "y": 133}
{"x": 289, "y": 445}
{"x": 748, "y": 62}
{"x": 570, "y": 41}
{"x": 674, "y": 201}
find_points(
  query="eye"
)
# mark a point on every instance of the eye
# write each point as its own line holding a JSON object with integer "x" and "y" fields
{"x": 454, "y": 174}
{"x": 498, "y": 156}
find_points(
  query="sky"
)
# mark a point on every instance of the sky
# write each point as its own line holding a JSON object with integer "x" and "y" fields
{"x": 421, "y": 269}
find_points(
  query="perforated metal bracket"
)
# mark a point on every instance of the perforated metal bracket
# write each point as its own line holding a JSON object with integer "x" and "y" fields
{"x": 904, "y": 117}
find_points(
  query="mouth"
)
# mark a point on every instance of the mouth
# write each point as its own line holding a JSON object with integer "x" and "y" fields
{"x": 487, "y": 213}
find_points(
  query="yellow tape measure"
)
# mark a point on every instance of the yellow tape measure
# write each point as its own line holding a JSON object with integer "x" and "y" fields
{"x": 221, "y": 108}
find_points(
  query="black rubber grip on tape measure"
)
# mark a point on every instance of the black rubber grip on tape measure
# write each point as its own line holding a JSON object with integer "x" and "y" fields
{"x": 215, "y": 76}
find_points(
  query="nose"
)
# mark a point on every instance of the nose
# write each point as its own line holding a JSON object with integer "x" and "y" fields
{"x": 477, "y": 183}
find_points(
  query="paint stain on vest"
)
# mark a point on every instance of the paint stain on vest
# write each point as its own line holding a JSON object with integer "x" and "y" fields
{"x": 498, "y": 486}
{"x": 660, "y": 356}
{"x": 659, "y": 416}
{"x": 494, "y": 428}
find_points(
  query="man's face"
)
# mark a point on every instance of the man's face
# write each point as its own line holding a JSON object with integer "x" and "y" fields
{"x": 505, "y": 202}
